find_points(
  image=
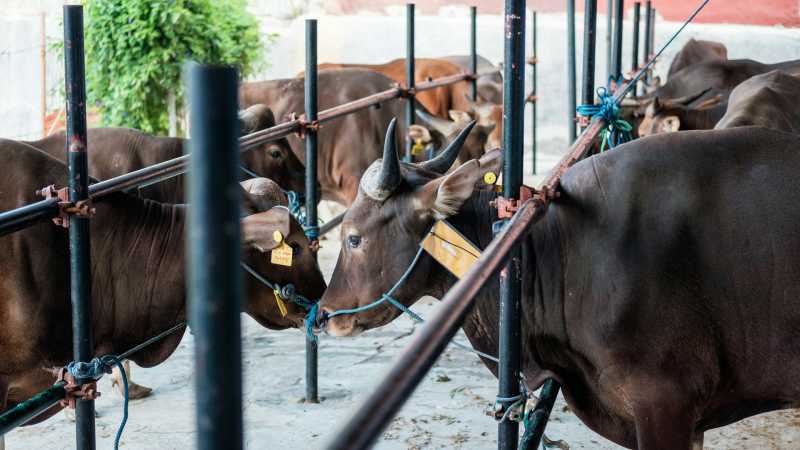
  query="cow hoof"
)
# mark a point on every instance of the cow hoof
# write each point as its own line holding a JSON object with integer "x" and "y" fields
{"x": 136, "y": 391}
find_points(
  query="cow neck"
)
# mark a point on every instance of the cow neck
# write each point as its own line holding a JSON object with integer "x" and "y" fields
{"x": 139, "y": 276}
{"x": 703, "y": 119}
{"x": 543, "y": 315}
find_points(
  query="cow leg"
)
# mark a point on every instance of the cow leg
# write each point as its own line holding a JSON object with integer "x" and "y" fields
{"x": 663, "y": 422}
{"x": 135, "y": 391}
{"x": 697, "y": 444}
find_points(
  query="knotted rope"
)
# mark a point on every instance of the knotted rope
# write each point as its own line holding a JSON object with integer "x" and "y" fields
{"x": 616, "y": 130}
{"x": 94, "y": 370}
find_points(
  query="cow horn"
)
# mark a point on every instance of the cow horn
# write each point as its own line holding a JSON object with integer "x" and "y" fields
{"x": 380, "y": 185}
{"x": 445, "y": 159}
{"x": 443, "y": 126}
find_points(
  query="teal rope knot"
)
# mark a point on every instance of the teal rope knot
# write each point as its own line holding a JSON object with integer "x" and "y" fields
{"x": 296, "y": 207}
{"x": 94, "y": 370}
{"x": 616, "y": 131}
{"x": 311, "y": 317}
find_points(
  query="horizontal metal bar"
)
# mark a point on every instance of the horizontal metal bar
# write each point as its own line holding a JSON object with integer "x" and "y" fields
{"x": 25, "y": 411}
{"x": 25, "y": 216}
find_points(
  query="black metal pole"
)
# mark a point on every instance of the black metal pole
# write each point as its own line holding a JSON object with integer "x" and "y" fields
{"x": 589, "y": 49}
{"x": 635, "y": 54}
{"x": 311, "y": 226}
{"x": 619, "y": 10}
{"x": 652, "y": 33}
{"x": 510, "y": 283}
{"x": 571, "y": 124}
{"x": 609, "y": 41}
{"x": 410, "y": 101}
{"x": 23, "y": 412}
{"x": 215, "y": 281}
{"x": 473, "y": 49}
{"x": 79, "y": 241}
{"x": 535, "y": 99}
{"x": 648, "y": 35}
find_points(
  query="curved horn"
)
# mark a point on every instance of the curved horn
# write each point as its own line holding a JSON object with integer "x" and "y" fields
{"x": 443, "y": 126}
{"x": 445, "y": 159}
{"x": 380, "y": 181}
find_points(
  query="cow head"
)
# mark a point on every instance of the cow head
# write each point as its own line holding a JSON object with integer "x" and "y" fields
{"x": 396, "y": 205}
{"x": 274, "y": 160}
{"x": 664, "y": 116}
{"x": 488, "y": 114}
{"x": 266, "y": 214}
{"x": 442, "y": 130}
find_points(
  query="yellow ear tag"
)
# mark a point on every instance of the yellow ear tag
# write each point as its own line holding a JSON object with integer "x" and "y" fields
{"x": 282, "y": 254}
{"x": 490, "y": 178}
{"x": 418, "y": 147}
{"x": 281, "y": 303}
{"x": 451, "y": 249}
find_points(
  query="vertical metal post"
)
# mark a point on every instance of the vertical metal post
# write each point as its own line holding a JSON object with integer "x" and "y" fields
{"x": 534, "y": 99}
{"x": 473, "y": 49}
{"x": 635, "y": 54}
{"x": 609, "y": 41}
{"x": 410, "y": 101}
{"x": 79, "y": 249}
{"x": 311, "y": 226}
{"x": 215, "y": 280}
{"x": 652, "y": 33}
{"x": 571, "y": 124}
{"x": 43, "y": 70}
{"x": 589, "y": 44}
{"x": 510, "y": 285}
{"x": 648, "y": 23}
{"x": 616, "y": 56}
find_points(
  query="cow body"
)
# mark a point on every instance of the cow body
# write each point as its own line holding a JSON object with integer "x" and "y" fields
{"x": 696, "y": 97}
{"x": 769, "y": 100}
{"x": 347, "y": 144}
{"x": 661, "y": 289}
{"x": 697, "y": 51}
{"x": 117, "y": 151}
{"x": 490, "y": 83}
{"x": 138, "y": 279}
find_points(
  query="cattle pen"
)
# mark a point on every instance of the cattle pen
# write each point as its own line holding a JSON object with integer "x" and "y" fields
{"x": 216, "y": 295}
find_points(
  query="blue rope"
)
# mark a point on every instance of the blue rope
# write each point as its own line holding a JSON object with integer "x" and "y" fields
{"x": 616, "y": 130}
{"x": 311, "y": 317}
{"x": 94, "y": 370}
{"x": 287, "y": 292}
{"x": 296, "y": 207}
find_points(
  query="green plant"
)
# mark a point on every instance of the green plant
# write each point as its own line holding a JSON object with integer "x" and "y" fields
{"x": 135, "y": 50}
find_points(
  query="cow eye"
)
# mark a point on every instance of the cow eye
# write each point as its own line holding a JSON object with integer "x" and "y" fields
{"x": 275, "y": 154}
{"x": 296, "y": 248}
{"x": 353, "y": 241}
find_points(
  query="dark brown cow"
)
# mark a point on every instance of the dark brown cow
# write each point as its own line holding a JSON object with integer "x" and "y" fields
{"x": 138, "y": 272}
{"x": 770, "y": 100}
{"x": 349, "y": 144}
{"x": 694, "y": 52}
{"x": 117, "y": 151}
{"x": 661, "y": 289}
{"x": 442, "y": 101}
{"x": 696, "y": 97}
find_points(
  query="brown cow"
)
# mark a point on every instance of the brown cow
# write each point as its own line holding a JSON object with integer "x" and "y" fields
{"x": 441, "y": 101}
{"x": 138, "y": 272}
{"x": 117, "y": 151}
{"x": 348, "y": 144}
{"x": 770, "y": 100}
{"x": 661, "y": 289}
{"x": 490, "y": 81}
{"x": 696, "y": 97}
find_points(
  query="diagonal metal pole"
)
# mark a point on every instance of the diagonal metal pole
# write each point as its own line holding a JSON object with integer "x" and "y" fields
{"x": 311, "y": 225}
{"x": 79, "y": 241}
{"x": 510, "y": 282}
{"x": 215, "y": 278}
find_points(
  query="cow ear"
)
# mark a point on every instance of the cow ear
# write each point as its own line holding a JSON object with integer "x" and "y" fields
{"x": 459, "y": 116}
{"x": 418, "y": 132}
{"x": 444, "y": 196}
{"x": 266, "y": 230}
{"x": 670, "y": 124}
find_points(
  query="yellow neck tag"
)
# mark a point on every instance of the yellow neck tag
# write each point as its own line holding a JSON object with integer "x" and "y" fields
{"x": 281, "y": 303}
{"x": 450, "y": 248}
{"x": 418, "y": 147}
{"x": 282, "y": 255}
